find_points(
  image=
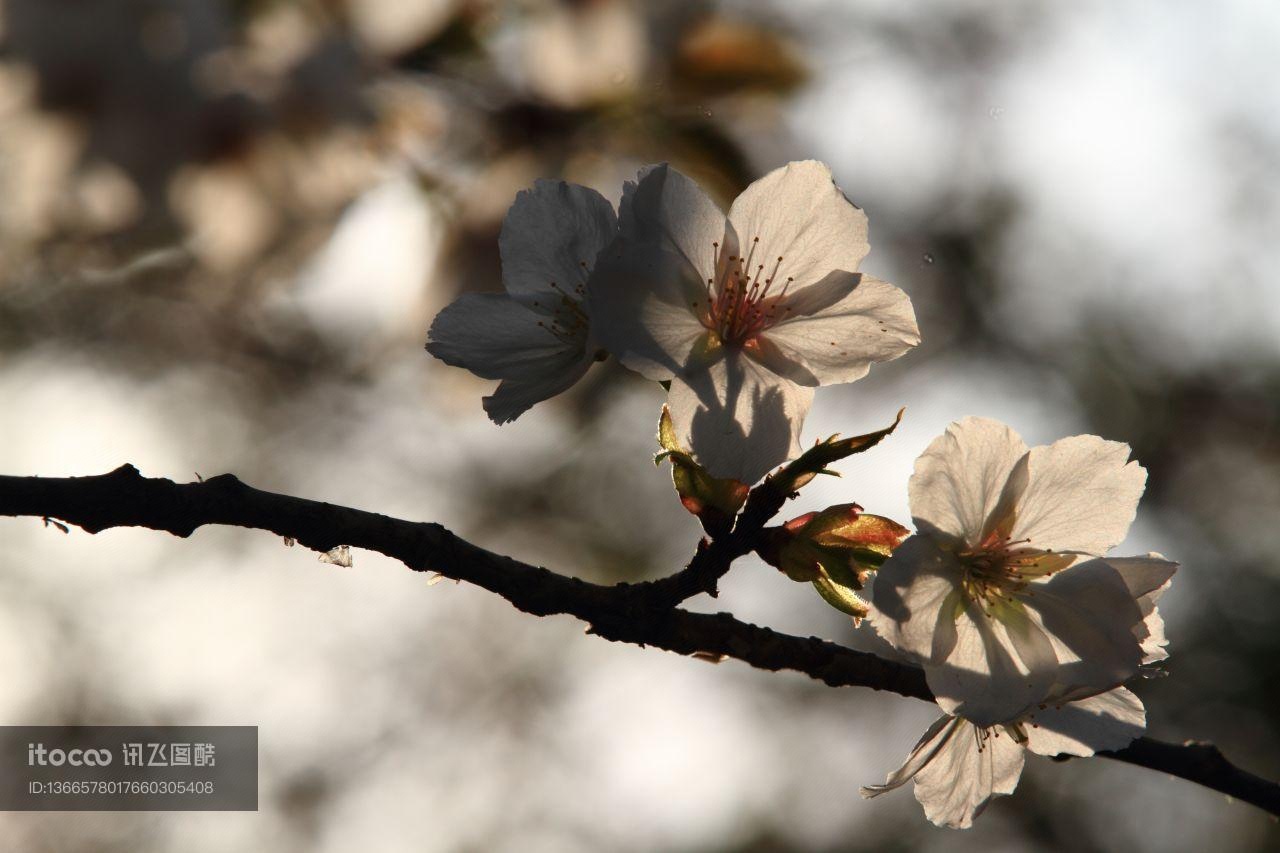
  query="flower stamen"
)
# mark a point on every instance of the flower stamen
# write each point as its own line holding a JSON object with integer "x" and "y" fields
{"x": 999, "y": 569}
{"x": 568, "y": 317}
{"x": 741, "y": 308}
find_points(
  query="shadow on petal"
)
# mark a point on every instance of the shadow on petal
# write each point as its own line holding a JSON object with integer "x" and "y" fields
{"x": 743, "y": 426}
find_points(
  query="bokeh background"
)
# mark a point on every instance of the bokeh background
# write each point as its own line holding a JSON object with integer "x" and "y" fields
{"x": 225, "y": 227}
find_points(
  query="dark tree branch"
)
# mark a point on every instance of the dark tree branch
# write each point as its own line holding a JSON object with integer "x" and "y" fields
{"x": 628, "y": 613}
{"x": 715, "y": 556}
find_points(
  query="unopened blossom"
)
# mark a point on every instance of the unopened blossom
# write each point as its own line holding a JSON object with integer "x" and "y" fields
{"x": 536, "y": 337}
{"x": 959, "y": 768}
{"x": 1003, "y": 595}
{"x": 835, "y": 550}
{"x": 746, "y": 314}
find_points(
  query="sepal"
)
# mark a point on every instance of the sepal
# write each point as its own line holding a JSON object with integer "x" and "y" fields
{"x": 835, "y": 550}
{"x": 715, "y": 502}
{"x": 815, "y": 460}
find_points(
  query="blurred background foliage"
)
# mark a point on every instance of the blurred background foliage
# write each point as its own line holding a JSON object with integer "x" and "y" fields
{"x": 225, "y": 227}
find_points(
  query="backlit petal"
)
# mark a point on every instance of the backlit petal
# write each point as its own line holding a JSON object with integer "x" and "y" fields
{"x": 1077, "y": 494}
{"x": 1144, "y": 575}
{"x": 497, "y": 337}
{"x": 934, "y": 739}
{"x": 552, "y": 233}
{"x": 1090, "y": 616}
{"x": 539, "y": 380}
{"x": 958, "y": 481}
{"x": 1108, "y": 721}
{"x": 915, "y": 600}
{"x": 1147, "y": 578}
{"x": 645, "y": 305}
{"x": 800, "y": 215}
{"x": 667, "y": 210}
{"x": 842, "y": 325}
{"x": 739, "y": 419}
{"x": 967, "y": 773}
{"x": 998, "y": 668}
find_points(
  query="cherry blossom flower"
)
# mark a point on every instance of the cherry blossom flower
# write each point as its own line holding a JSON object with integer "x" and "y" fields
{"x": 995, "y": 596}
{"x": 745, "y": 314}
{"x": 536, "y": 337}
{"x": 959, "y": 767}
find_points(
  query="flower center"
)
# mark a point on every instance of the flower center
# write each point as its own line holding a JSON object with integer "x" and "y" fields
{"x": 566, "y": 318}
{"x": 743, "y": 305}
{"x": 999, "y": 568}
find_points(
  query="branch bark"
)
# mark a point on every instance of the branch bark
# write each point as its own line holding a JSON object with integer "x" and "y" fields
{"x": 630, "y": 613}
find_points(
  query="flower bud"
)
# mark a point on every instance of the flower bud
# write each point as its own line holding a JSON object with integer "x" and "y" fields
{"x": 715, "y": 502}
{"x": 835, "y": 550}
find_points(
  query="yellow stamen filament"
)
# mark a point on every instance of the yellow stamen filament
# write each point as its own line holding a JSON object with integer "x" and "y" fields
{"x": 998, "y": 570}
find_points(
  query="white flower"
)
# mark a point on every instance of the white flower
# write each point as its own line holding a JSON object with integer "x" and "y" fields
{"x": 745, "y": 315}
{"x": 959, "y": 768}
{"x": 537, "y": 336}
{"x": 992, "y": 598}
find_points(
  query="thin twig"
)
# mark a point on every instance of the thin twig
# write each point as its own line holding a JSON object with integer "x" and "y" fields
{"x": 714, "y": 557}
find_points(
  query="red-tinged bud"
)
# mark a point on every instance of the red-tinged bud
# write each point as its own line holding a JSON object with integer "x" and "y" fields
{"x": 835, "y": 550}
{"x": 715, "y": 502}
{"x": 797, "y": 524}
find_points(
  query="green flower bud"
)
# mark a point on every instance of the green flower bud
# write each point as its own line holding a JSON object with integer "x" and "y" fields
{"x": 835, "y": 550}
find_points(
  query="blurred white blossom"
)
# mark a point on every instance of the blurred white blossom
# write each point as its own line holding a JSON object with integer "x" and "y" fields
{"x": 575, "y": 54}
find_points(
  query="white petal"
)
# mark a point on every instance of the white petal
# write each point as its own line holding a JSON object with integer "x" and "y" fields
{"x": 988, "y": 670}
{"x": 496, "y": 336}
{"x": 540, "y": 380}
{"x": 1090, "y": 616}
{"x": 915, "y": 597}
{"x": 967, "y": 773}
{"x": 737, "y": 418}
{"x": 840, "y": 326}
{"x": 644, "y": 308}
{"x": 933, "y": 739}
{"x": 668, "y": 210}
{"x": 1077, "y": 494}
{"x": 1143, "y": 576}
{"x": 799, "y": 214}
{"x": 1108, "y": 721}
{"x": 997, "y": 669}
{"x": 958, "y": 481}
{"x": 1147, "y": 578}
{"x": 1152, "y": 636}
{"x": 552, "y": 233}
